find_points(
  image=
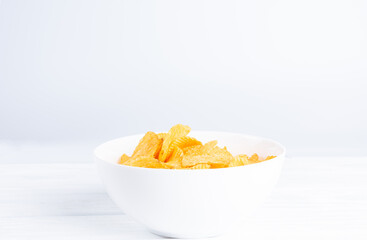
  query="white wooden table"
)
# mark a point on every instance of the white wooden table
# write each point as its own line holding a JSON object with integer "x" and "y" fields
{"x": 54, "y": 192}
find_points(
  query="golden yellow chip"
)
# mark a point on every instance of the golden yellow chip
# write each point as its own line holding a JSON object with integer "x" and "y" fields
{"x": 149, "y": 145}
{"x": 254, "y": 159}
{"x": 269, "y": 157}
{"x": 123, "y": 158}
{"x": 209, "y": 148}
{"x": 186, "y": 141}
{"x": 175, "y": 132}
{"x": 193, "y": 150}
{"x": 175, "y": 160}
{"x": 201, "y": 166}
{"x": 217, "y": 151}
{"x": 214, "y": 160}
{"x": 244, "y": 159}
{"x": 237, "y": 161}
{"x": 210, "y": 145}
{"x": 182, "y": 143}
{"x": 189, "y": 160}
{"x": 225, "y": 156}
{"x": 143, "y": 161}
{"x": 162, "y": 135}
{"x": 209, "y": 153}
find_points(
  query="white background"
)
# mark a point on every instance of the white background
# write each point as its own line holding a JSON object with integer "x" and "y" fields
{"x": 90, "y": 71}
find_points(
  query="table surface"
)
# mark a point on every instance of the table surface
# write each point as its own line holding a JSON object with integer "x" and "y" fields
{"x": 54, "y": 192}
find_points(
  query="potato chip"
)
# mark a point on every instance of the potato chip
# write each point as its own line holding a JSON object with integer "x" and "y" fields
{"x": 176, "y": 131}
{"x": 175, "y": 160}
{"x": 269, "y": 157}
{"x": 238, "y": 160}
{"x": 244, "y": 159}
{"x": 182, "y": 142}
{"x": 185, "y": 141}
{"x": 193, "y": 150}
{"x": 210, "y": 145}
{"x": 254, "y": 159}
{"x": 201, "y": 166}
{"x": 214, "y": 160}
{"x": 149, "y": 145}
{"x": 123, "y": 158}
{"x": 143, "y": 161}
{"x": 208, "y": 153}
{"x": 162, "y": 135}
{"x": 222, "y": 153}
{"x": 217, "y": 151}
{"x": 189, "y": 160}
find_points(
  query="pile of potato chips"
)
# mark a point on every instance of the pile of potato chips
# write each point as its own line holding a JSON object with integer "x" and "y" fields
{"x": 176, "y": 150}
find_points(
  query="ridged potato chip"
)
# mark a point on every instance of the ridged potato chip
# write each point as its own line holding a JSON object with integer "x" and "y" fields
{"x": 238, "y": 160}
{"x": 221, "y": 153}
{"x": 192, "y": 160}
{"x": 150, "y": 145}
{"x": 254, "y": 159}
{"x": 269, "y": 157}
{"x": 193, "y": 150}
{"x": 201, "y": 166}
{"x": 182, "y": 143}
{"x": 207, "y": 153}
{"x": 185, "y": 141}
{"x": 176, "y": 131}
{"x": 175, "y": 160}
{"x": 244, "y": 159}
{"x": 144, "y": 161}
{"x": 124, "y": 158}
{"x": 162, "y": 135}
{"x": 210, "y": 145}
{"x": 207, "y": 148}
{"x": 216, "y": 161}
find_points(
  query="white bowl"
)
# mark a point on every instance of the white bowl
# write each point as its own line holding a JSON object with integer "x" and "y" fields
{"x": 191, "y": 203}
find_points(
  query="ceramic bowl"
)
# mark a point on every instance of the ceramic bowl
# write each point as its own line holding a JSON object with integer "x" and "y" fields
{"x": 191, "y": 203}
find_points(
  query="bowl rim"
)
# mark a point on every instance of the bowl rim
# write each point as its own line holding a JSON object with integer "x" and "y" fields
{"x": 283, "y": 149}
